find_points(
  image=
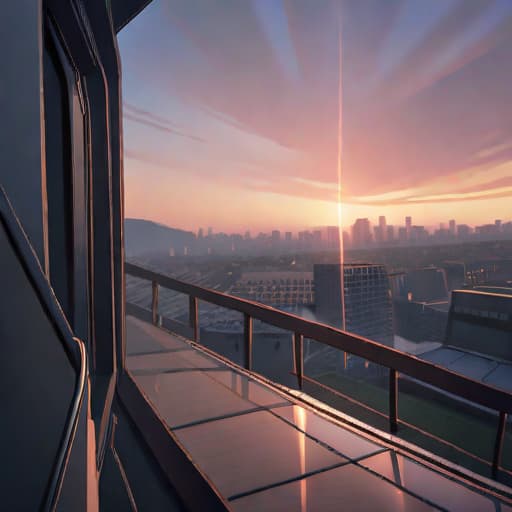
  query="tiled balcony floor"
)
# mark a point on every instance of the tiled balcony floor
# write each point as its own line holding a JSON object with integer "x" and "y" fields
{"x": 264, "y": 452}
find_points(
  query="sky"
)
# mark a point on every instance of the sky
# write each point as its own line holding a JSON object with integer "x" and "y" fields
{"x": 260, "y": 114}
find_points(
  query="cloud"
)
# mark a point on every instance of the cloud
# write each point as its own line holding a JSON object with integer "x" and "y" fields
{"x": 134, "y": 110}
{"x": 149, "y": 158}
{"x": 158, "y": 126}
{"x": 415, "y": 122}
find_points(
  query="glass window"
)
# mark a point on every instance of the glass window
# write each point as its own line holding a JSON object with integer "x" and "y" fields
{"x": 346, "y": 162}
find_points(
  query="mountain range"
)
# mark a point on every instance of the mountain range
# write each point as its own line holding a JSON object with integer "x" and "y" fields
{"x": 144, "y": 237}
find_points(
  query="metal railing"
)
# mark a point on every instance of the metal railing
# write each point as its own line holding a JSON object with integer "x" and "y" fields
{"x": 396, "y": 361}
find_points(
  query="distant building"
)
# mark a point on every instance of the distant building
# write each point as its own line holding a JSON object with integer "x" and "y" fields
{"x": 390, "y": 233}
{"x": 455, "y": 272}
{"x": 426, "y": 285}
{"x": 368, "y": 308}
{"x": 464, "y": 231}
{"x": 333, "y": 237}
{"x": 408, "y": 225}
{"x": 280, "y": 289}
{"x": 288, "y": 236}
{"x": 346, "y": 239}
{"x": 480, "y": 321}
{"x": 377, "y": 234}
{"x": 452, "y": 227}
{"x": 382, "y": 232}
{"x": 418, "y": 234}
{"x": 420, "y": 321}
{"x": 361, "y": 234}
{"x": 420, "y": 304}
{"x": 487, "y": 231}
{"x": 305, "y": 239}
{"x": 276, "y": 236}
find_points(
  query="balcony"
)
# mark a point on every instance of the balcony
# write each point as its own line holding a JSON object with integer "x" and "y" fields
{"x": 265, "y": 446}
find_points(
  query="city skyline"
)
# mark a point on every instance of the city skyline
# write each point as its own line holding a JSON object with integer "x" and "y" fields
{"x": 425, "y": 112}
{"x": 207, "y": 229}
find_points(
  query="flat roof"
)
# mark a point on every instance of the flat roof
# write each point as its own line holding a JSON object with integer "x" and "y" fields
{"x": 500, "y": 290}
{"x": 478, "y": 367}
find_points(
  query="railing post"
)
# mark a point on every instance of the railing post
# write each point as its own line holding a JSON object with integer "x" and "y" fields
{"x": 298, "y": 357}
{"x": 498, "y": 445}
{"x": 247, "y": 341}
{"x": 154, "y": 302}
{"x": 393, "y": 400}
{"x": 193, "y": 316}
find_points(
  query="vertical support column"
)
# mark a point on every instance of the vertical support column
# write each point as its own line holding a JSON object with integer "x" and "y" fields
{"x": 298, "y": 357}
{"x": 193, "y": 316}
{"x": 498, "y": 445}
{"x": 154, "y": 302}
{"x": 393, "y": 400}
{"x": 247, "y": 341}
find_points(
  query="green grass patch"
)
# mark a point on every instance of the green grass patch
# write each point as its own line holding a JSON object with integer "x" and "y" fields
{"x": 445, "y": 418}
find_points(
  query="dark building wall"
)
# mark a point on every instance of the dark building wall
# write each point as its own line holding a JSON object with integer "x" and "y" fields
{"x": 455, "y": 275}
{"x": 419, "y": 322}
{"x": 426, "y": 284}
{"x": 368, "y": 308}
{"x": 481, "y": 322}
{"x": 21, "y": 103}
{"x": 327, "y": 279}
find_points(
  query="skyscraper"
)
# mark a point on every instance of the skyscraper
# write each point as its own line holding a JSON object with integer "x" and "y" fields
{"x": 408, "y": 225}
{"x": 368, "y": 308}
{"x": 361, "y": 234}
{"x": 390, "y": 233}
{"x": 382, "y": 229}
{"x": 333, "y": 237}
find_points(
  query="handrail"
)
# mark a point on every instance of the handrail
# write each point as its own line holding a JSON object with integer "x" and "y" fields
{"x": 73, "y": 347}
{"x": 70, "y": 430}
{"x": 396, "y": 361}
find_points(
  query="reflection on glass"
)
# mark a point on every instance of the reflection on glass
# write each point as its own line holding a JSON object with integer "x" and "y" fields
{"x": 299, "y": 416}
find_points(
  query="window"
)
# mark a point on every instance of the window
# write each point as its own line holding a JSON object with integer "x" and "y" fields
{"x": 360, "y": 155}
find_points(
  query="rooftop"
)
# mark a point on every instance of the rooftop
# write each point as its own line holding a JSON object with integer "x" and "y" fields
{"x": 476, "y": 366}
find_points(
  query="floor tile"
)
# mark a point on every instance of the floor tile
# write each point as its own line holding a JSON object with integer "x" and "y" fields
{"x": 188, "y": 397}
{"x": 347, "y": 443}
{"x": 170, "y": 361}
{"x": 429, "y": 484}
{"x": 248, "y": 389}
{"x": 142, "y": 337}
{"x": 254, "y": 450}
{"x": 348, "y": 488}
